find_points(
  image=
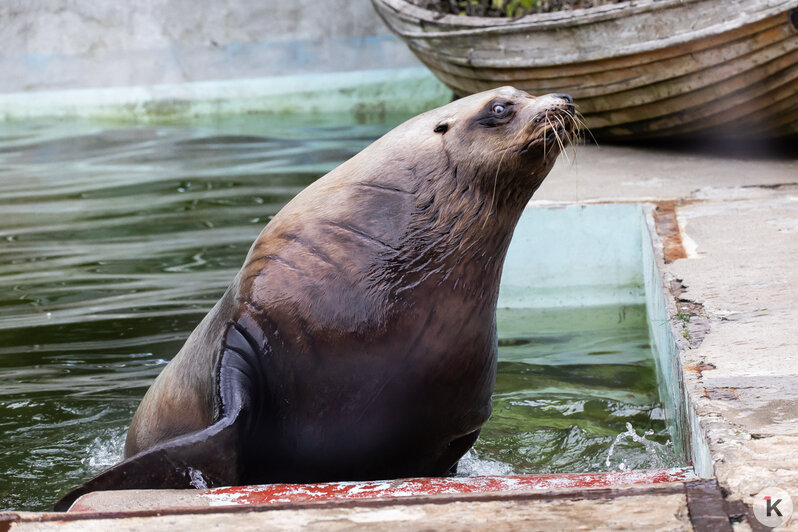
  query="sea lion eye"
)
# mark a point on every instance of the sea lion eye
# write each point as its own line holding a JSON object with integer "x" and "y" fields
{"x": 496, "y": 113}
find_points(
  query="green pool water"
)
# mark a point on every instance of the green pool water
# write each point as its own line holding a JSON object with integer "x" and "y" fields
{"x": 569, "y": 382}
{"x": 117, "y": 239}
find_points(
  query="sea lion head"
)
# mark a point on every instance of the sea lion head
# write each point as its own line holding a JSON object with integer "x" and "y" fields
{"x": 505, "y": 136}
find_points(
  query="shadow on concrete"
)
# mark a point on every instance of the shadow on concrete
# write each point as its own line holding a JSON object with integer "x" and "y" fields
{"x": 784, "y": 148}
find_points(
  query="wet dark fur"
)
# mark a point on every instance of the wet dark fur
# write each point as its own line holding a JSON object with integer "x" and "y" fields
{"x": 359, "y": 339}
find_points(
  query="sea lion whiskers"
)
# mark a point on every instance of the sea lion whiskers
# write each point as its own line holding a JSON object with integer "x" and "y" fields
{"x": 577, "y": 134}
{"x": 574, "y": 135}
{"x": 580, "y": 127}
{"x": 559, "y": 140}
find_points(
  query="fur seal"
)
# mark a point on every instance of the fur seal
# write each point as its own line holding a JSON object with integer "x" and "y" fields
{"x": 358, "y": 340}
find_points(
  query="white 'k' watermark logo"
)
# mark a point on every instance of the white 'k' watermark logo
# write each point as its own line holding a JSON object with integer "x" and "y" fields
{"x": 773, "y": 507}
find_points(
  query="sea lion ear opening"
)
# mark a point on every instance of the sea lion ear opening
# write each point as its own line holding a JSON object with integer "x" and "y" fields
{"x": 441, "y": 128}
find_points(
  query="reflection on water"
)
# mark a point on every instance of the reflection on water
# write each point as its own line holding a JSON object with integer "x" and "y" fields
{"x": 116, "y": 240}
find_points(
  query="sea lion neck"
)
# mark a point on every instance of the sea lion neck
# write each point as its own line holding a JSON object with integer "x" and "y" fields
{"x": 458, "y": 232}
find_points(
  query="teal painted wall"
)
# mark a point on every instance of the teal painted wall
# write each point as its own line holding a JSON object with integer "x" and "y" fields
{"x": 575, "y": 255}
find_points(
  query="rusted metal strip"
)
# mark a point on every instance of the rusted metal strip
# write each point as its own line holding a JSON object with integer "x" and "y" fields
{"x": 739, "y": 511}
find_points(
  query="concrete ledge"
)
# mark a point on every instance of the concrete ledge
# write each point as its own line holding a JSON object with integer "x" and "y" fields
{"x": 363, "y": 92}
{"x": 663, "y": 329}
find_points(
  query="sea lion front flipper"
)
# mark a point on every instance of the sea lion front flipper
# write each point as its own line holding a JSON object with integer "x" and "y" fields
{"x": 205, "y": 458}
{"x": 201, "y": 459}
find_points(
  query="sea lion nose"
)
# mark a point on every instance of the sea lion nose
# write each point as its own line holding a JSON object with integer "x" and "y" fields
{"x": 568, "y": 98}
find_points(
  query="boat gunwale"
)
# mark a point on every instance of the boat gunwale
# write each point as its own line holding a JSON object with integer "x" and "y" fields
{"x": 467, "y": 25}
{"x": 606, "y": 90}
{"x": 460, "y": 26}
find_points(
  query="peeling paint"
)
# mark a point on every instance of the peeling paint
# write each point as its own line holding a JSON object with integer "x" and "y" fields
{"x": 281, "y": 493}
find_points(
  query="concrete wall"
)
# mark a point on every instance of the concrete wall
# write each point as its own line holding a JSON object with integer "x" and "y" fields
{"x": 68, "y": 44}
{"x": 80, "y": 26}
{"x": 156, "y": 60}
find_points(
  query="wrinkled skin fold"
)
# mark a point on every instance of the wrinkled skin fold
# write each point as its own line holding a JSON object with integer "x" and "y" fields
{"x": 358, "y": 340}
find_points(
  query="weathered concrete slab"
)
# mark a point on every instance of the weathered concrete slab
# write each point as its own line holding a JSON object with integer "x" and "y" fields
{"x": 743, "y": 271}
{"x": 615, "y": 173}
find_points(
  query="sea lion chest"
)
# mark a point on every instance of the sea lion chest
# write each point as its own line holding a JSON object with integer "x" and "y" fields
{"x": 376, "y": 344}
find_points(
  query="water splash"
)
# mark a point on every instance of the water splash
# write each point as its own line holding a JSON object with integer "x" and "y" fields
{"x": 654, "y": 450}
{"x": 197, "y": 478}
{"x": 471, "y": 465}
{"x": 105, "y": 450}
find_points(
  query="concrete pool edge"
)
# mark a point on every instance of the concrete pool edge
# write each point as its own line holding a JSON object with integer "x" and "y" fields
{"x": 664, "y": 328}
{"x": 626, "y": 255}
{"x": 409, "y": 90}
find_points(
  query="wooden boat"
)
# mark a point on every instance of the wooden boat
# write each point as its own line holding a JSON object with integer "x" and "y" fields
{"x": 637, "y": 69}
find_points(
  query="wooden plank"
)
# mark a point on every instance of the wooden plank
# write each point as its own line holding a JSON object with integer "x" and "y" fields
{"x": 664, "y": 510}
{"x": 332, "y": 491}
{"x": 603, "y": 493}
{"x": 609, "y": 78}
